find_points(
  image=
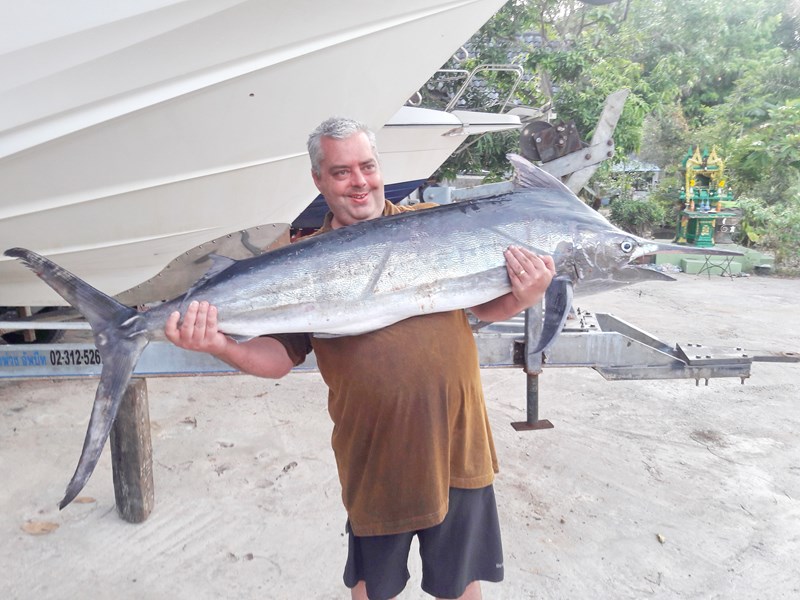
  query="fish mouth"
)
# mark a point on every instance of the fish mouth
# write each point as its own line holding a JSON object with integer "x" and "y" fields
{"x": 632, "y": 273}
{"x": 649, "y": 247}
{"x": 637, "y": 273}
{"x": 621, "y": 277}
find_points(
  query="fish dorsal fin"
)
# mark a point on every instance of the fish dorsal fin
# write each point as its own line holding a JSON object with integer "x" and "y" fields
{"x": 528, "y": 175}
{"x": 218, "y": 264}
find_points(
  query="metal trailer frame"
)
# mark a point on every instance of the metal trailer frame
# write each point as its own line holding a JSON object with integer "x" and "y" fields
{"x": 615, "y": 349}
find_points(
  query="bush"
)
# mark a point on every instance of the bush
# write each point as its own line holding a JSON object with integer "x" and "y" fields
{"x": 774, "y": 229}
{"x": 667, "y": 196}
{"x": 638, "y": 217}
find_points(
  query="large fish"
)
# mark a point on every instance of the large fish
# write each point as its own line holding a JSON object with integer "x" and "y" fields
{"x": 367, "y": 276}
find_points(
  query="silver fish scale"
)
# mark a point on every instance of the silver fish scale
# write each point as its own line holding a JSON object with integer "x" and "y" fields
{"x": 393, "y": 269}
{"x": 375, "y": 273}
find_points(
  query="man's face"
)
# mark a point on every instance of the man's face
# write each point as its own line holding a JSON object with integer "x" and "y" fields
{"x": 350, "y": 179}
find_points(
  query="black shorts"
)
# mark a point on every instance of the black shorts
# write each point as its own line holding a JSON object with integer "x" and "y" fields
{"x": 463, "y": 548}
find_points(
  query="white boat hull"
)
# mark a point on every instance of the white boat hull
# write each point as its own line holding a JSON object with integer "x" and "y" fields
{"x": 125, "y": 142}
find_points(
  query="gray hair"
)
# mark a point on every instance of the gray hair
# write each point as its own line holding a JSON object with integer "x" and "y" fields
{"x": 338, "y": 128}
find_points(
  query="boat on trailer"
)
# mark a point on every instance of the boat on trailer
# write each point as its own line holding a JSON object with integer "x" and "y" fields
{"x": 131, "y": 135}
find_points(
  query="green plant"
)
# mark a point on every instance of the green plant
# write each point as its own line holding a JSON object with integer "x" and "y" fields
{"x": 774, "y": 228}
{"x": 666, "y": 194}
{"x": 638, "y": 217}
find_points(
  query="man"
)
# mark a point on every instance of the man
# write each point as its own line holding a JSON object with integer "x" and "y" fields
{"x": 411, "y": 436}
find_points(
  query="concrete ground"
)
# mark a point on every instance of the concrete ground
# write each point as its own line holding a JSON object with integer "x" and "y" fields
{"x": 644, "y": 489}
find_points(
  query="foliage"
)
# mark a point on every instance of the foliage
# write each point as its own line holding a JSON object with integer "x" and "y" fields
{"x": 484, "y": 155}
{"x": 704, "y": 47}
{"x": 758, "y": 127}
{"x": 767, "y": 158}
{"x": 714, "y": 73}
{"x": 636, "y": 215}
{"x": 774, "y": 228}
{"x": 667, "y": 195}
{"x": 665, "y": 137}
{"x": 639, "y": 217}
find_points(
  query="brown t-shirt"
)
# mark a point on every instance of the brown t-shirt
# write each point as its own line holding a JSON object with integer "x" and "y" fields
{"x": 409, "y": 419}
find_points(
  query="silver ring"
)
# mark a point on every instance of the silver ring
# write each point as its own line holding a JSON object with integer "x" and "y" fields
{"x": 521, "y": 273}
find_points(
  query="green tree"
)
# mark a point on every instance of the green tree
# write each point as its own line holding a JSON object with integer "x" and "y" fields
{"x": 715, "y": 73}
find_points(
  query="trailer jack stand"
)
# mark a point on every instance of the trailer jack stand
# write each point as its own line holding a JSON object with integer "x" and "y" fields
{"x": 533, "y": 421}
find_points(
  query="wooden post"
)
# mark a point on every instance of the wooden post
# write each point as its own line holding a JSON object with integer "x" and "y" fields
{"x": 132, "y": 455}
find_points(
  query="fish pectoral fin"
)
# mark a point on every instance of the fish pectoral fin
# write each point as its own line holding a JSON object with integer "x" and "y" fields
{"x": 557, "y": 306}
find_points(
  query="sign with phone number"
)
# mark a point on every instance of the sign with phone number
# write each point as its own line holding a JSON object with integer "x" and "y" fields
{"x": 75, "y": 357}
{"x": 54, "y": 358}
{"x": 72, "y": 359}
{"x": 159, "y": 359}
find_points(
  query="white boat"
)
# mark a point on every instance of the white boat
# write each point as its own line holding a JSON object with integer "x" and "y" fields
{"x": 132, "y": 134}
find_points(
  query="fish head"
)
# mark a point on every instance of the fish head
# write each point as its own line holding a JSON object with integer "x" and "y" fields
{"x": 592, "y": 252}
{"x": 609, "y": 258}
{"x": 604, "y": 260}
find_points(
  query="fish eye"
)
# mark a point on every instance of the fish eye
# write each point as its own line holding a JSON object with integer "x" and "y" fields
{"x": 626, "y": 246}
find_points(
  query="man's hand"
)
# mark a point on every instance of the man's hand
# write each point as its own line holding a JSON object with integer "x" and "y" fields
{"x": 530, "y": 274}
{"x": 260, "y": 356}
{"x": 198, "y": 331}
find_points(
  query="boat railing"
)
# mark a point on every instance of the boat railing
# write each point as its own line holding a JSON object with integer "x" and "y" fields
{"x": 516, "y": 70}
{"x": 442, "y": 88}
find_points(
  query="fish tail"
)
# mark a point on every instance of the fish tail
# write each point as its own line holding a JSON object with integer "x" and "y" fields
{"x": 120, "y": 336}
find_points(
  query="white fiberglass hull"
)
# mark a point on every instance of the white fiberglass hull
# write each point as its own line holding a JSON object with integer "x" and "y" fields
{"x": 127, "y": 141}
{"x": 416, "y": 141}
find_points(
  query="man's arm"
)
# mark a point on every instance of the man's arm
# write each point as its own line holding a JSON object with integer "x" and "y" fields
{"x": 262, "y": 356}
{"x": 530, "y": 274}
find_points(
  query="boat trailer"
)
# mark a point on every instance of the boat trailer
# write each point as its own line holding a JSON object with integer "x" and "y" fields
{"x": 615, "y": 349}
